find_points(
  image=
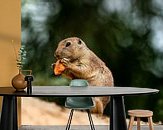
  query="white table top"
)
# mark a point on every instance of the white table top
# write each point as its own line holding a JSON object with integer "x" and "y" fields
{"x": 62, "y": 91}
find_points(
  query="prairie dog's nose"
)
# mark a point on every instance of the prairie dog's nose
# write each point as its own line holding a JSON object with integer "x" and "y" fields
{"x": 56, "y": 54}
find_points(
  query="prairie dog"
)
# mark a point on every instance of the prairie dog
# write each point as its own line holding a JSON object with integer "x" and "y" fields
{"x": 82, "y": 63}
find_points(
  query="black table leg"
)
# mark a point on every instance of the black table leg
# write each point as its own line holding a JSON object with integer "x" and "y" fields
{"x": 117, "y": 115}
{"x": 9, "y": 113}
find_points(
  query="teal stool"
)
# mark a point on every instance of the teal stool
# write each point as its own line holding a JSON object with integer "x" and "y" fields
{"x": 79, "y": 103}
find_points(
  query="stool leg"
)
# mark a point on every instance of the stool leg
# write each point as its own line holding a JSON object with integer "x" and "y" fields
{"x": 150, "y": 123}
{"x": 138, "y": 123}
{"x": 131, "y": 123}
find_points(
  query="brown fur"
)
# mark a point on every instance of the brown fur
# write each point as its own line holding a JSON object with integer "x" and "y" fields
{"x": 82, "y": 63}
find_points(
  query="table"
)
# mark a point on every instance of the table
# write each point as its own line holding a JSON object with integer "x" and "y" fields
{"x": 117, "y": 115}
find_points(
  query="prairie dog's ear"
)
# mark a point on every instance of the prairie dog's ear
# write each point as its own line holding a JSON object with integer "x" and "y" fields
{"x": 79, "y": 42}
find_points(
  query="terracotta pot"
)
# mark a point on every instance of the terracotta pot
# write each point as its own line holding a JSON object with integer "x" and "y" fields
{"x": 18, "y": 82}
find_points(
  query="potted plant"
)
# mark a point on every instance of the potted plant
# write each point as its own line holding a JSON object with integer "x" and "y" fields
{"x": 18, "y": 81}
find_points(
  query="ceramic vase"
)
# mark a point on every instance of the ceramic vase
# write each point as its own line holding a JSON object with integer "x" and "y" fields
{"x": 18, "y": 82}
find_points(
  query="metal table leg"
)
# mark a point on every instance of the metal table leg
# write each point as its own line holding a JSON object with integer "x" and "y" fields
{"x": 117, "y": 115}
{"x": 9, "y": 113}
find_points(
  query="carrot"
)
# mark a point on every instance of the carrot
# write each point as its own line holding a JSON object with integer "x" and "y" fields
{"x": 59, "y": 68}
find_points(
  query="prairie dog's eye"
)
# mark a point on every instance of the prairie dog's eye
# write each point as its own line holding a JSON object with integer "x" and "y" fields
{"x": 68, "y": 44}
{"x": 80, "y": 42}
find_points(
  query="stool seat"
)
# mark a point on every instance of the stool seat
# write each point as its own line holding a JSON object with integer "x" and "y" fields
{"x": 140, "y": 113}
{"x": 137, "y": 113}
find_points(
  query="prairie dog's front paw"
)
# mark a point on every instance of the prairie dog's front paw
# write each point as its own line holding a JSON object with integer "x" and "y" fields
{"x": 65, "y": 62}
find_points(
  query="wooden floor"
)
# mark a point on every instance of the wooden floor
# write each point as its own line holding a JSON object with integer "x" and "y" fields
{"x": 102, "y": 127}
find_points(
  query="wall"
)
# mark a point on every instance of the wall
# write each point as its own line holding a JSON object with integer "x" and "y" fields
{"x": 10, "y": 29}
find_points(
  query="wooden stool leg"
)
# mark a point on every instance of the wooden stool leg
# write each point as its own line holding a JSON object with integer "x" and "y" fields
{"x": 131, "y": 123}
{"x": 150, "y": 123}
{"x": 138, "y": 123}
